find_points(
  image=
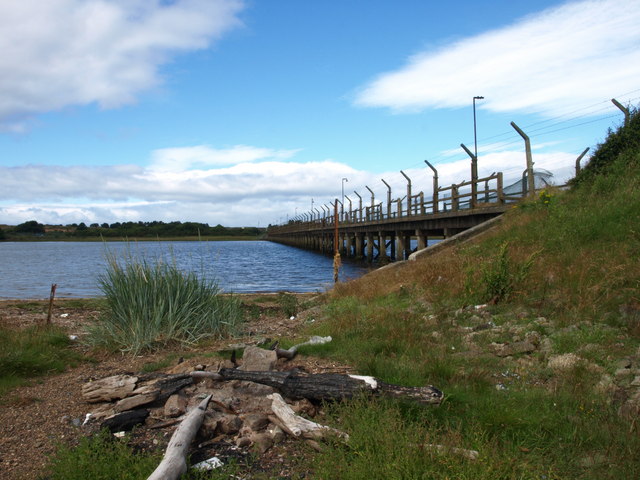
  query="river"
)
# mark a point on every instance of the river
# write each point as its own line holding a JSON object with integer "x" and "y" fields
{"x": 28, "y": 269}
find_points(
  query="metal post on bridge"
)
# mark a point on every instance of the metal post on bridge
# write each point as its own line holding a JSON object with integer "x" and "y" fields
{"x": 408, "y": 192}
{"x": 388, "y": 198}
{"x": 625, "y": 110}
{"x": 584, "y": 152}
{"x": 435, "y": 186}
{"x": 474, "y": 175}
{"x": 359, "y": 206}
{"x": 527, "y": 145}
{"x": 350, "y": 214}
{"x": 373, "y": 201}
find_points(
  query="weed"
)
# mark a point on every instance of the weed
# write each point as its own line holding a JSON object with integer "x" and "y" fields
{"x": 153, "y": 304}
{"x": 289, "y": 303}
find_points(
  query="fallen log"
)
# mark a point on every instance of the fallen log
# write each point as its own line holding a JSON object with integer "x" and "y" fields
{"x": 174, "y": 462}
{"x": 290, "y": 353}
{"x": 332, "y": 386}
{"x": 297, "y": 426}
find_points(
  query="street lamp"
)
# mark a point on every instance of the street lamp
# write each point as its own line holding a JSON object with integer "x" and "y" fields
{"x": 475, "y": 135}
{"x": 343, "y": 180}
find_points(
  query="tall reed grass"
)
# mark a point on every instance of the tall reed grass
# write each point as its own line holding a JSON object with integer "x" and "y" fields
{"x": 152, "y": 303}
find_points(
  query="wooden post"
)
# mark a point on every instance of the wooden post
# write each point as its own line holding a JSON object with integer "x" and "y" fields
{"x": 52, "y": 295}
{"x": 408, "y": 192}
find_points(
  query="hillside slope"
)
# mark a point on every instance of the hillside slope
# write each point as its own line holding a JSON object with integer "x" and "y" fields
{"x": 532, "y": 332}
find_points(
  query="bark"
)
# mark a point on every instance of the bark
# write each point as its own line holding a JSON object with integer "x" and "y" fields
{"x": 333, "y": 386}
{"x": 174, "y": 462}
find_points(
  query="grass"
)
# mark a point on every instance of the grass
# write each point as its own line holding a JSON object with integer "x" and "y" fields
{"x": 561, "y": 271}
{"x": 568, "y": 282}
{"x": 150, "y": 305}
{"x": 33, "y": 352}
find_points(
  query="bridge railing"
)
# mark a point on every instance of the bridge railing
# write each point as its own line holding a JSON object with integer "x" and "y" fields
{"x": 489, "y": 191}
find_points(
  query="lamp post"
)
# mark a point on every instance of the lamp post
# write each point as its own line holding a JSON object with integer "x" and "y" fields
{"x": 343, "y": 180}
{"x": 475, "y": 135}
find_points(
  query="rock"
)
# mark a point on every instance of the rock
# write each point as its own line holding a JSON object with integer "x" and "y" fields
{"x": 258, "y": 360}
{"x": 484, "y": 326}
{"x": 592, "y": 461}
{"x": 623, "y": 372}
{"x": 277, "y": 434}
{"x": 509, "y": 349}
{"x": 255, "y": 421}
{"x": 229, "y": 424}
{"x": 243, "y": 442}
{"x": 175, "y": 405}
{"x": 565, "y": 362}
{"x": 262, "y": 441}
{"x": 623, "y": 363}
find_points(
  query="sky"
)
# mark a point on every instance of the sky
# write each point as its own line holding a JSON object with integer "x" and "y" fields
{"x": 244, "y": 112}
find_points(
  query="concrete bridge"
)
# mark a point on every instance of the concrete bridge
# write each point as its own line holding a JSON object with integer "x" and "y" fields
{"x": 392, "y": 230}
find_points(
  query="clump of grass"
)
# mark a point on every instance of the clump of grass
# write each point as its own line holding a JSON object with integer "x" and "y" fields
{"x": 153, "y": 304}
{"x": 289, "y": 303}
{"x": 499, "y": 277}
{"x": 33, "y": 352}
{"x": 101, "y": 457}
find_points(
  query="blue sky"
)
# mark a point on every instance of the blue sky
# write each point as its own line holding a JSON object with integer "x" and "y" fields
{"x": 240, "y": 112}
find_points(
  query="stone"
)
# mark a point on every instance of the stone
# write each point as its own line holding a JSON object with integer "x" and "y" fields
{"x": 623, "y": 363}
{"x": 255, "y": 421}
{"x": 243, "y": 442}
{"x": 262, "y": 441}
{"x": 277, "y": 434}
{"x": 258, "y": 360}
{"x": 564, "y": 362}
{"x": 175, "y": 405}
{"x": 509, "y": 349}
{"x": 229, "y": 424}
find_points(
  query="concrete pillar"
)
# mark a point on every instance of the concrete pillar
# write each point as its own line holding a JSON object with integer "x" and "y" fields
{"x": 359, "y": 245}
{"x": 400, "y": 246}
{"x": 382, "y": 242}
{"x": 369, "y": 247}
{"x": 422, "y": 239}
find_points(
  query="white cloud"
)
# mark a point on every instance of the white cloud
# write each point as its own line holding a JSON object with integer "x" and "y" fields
{"x": 58, "y": 53}
{"x": 577, "y": 54}
{"x": 237, "y": 195}
{"x": 184, "y": 158}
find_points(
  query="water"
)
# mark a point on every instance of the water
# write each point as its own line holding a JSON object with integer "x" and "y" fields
{"x": 27, "y": 269}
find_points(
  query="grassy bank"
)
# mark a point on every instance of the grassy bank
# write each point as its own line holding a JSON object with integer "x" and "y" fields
{"x": 532, "y": 332}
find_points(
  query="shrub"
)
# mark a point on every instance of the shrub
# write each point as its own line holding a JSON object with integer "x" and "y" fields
{"x": 153, "y": 304}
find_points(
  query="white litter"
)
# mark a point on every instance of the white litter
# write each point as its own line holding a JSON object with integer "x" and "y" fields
{"x": 64, "y": 315}
{"x": 210, "y": 464}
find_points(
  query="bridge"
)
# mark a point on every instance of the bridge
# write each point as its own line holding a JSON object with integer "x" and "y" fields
{"x": 392, "y": 230}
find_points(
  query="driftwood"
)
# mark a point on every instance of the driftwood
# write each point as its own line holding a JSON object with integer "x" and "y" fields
{"x": 298, "y": 426}
{"x": 125, "y": 421}
{"x": 331, "y": 386}
{"x": 290, "y": 353}
{"x": 131, "y": 391}
{"x": 174, "y": 462}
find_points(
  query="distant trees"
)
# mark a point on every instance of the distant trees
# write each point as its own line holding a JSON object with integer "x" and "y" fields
{"x": 31, "y": 227}
{"x": 154, "y": 229}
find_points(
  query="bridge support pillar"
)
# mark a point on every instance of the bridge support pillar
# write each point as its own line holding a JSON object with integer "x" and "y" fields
{"x": 369, "y": 247}
{"x": 400, "y": 247}
{"x": 422, "y": 239}
{"x": 382, "y": 242}
{"x": 359, "y": 239}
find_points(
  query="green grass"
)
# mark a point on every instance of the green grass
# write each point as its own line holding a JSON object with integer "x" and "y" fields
{"x": 33, "y": 352}
{"x": 150, "y": 305}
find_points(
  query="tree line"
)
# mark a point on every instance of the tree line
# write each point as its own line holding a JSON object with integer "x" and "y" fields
{"x": 152, "y": 229}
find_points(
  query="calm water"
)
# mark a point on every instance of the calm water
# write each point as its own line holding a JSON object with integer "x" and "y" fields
{"x": 27, "y": 269}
